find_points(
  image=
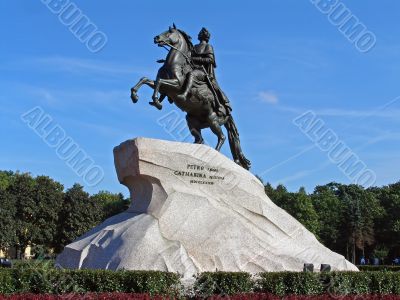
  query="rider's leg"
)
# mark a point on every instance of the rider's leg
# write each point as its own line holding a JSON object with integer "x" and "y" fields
{"x": 187, "y": 86}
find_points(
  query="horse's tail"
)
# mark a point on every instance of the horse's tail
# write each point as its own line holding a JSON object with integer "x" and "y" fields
{"x": 234, "y": 144}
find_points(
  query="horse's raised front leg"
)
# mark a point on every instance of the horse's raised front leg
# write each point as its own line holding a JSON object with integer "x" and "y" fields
{"x": 134, "y": 90}
{"x": 163, "y": 85}
{"x": 156, "y": 102}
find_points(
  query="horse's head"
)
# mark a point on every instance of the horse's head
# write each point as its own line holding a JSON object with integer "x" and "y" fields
{"x": 169, "y": 37}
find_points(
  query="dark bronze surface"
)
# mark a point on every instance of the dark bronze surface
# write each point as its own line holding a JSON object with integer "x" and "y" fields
{"x": 187, "y": 78}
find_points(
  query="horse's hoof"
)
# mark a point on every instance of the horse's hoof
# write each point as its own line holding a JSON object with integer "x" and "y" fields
{"x": 134, "y": 98}
{"x": 156, "y": 104}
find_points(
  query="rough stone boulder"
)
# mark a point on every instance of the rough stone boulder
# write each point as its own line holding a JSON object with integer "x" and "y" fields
{"x": 195, "y": 210}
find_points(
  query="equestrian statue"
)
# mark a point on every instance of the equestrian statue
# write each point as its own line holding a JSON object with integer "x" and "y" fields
{"x": 187, "y": 78}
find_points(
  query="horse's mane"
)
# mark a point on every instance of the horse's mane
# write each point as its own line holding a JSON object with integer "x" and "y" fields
{"x": 187, "y": 38}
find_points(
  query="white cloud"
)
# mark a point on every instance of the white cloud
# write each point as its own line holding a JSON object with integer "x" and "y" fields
{"x": 87, "y": 65}
{"x": 268, "y": 97}
{"x": 79, "y": 65}
{"x": 334, "y": 112}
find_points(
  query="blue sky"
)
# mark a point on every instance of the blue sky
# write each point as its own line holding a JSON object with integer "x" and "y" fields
{"x": 276, "y": 60}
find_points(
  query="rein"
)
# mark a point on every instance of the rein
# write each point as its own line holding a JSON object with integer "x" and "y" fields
{"x": 184, "y": 55}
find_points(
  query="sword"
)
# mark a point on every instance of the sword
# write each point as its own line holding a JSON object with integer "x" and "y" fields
{"x": 211, "y": 87}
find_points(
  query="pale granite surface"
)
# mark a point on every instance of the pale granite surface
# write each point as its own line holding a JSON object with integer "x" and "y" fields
{"x": 194, "y": 210}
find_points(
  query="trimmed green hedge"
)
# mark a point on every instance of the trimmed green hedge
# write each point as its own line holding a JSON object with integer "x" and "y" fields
{"x": 289, "y": 283}
{"x": 379, "y": 268}
{"x": 7, "y": 281}
{"x": 336, "y": 283}
{"x": 225, "y": 283}
{"x": 53, "y": 281}
{"x": 296, "y": 283}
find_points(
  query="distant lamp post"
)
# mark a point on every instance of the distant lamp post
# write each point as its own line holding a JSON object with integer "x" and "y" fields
{"x": 308, "y": 268}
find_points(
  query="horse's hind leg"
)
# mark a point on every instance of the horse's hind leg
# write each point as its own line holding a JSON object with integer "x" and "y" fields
{"x": 195, "y": 129}
{"x": 216, "y": 129}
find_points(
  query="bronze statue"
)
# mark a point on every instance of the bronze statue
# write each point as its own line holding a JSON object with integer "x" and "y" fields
{"x": 187, "y": 78}
{"x": 203, "y": 59}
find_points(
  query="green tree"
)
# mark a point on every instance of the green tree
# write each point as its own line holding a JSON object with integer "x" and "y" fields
{"x": 361, "y": 210}
{"x": 79, "y": 214}
{"x": 48, "y": 196}
{"x": 111, "y": 204}
{"x": 299, "y": 205}
{"x": 381, "y": 252}
{"x": 388, "y": 225}
{"x": 6, "y": 179}
{"x": 269, "y": 190}
{"x": 22, "y": 191}
{"x": 278, "y": 195}
{"x": 7, "y": 220}
{"x": 330, "y": 211}
{"x": 302, "y": 208}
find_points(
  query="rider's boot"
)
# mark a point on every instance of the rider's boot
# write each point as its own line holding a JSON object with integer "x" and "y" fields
{"x": 189, "y": 83}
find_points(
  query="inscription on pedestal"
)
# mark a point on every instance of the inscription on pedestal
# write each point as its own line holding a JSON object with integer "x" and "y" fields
{"x": 200, "y": 174}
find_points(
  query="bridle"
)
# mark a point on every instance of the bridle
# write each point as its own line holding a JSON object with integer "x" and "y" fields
{"x": 173, "y": 47}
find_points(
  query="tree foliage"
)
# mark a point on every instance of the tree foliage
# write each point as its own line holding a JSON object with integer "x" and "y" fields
{"x": 330, "y": 211}
{"x": 111, "y": 204}
{"x": 299, "y": 205}
{"x": 35, "y": 211}
{"x": 22, "y": 190}
{"x": 7, "y": 220}
{"x": 79, "y": 213}
{"x": 348, "y": 219}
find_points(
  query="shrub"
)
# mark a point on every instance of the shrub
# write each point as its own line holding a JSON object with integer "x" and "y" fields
{"x": 252, "y": 296}
{"x": 344, "y": 283}
{"x": 7, "y": 284}
{"x": 261, "y": 296}
{"x": 334, "y": 283}
{"x": 287, "y": 283}
{"x": 379, "y": 268}
{"x": 53, "y": 281}
{"x": 385, "y": 282}
{"x": 223, "y": 283}
{"x": 87, "y": 296}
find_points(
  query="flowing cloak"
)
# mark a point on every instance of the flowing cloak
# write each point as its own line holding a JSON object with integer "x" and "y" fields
{"x": 205, "y": 53}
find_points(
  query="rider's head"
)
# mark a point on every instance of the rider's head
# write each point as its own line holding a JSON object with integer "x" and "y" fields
{"x": 204, "y": 35}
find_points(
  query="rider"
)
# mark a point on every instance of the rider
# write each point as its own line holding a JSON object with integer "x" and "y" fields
{"x": 203, "y": 55}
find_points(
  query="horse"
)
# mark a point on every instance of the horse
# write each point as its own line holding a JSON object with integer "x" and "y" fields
{"x": 200, "y": 104}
